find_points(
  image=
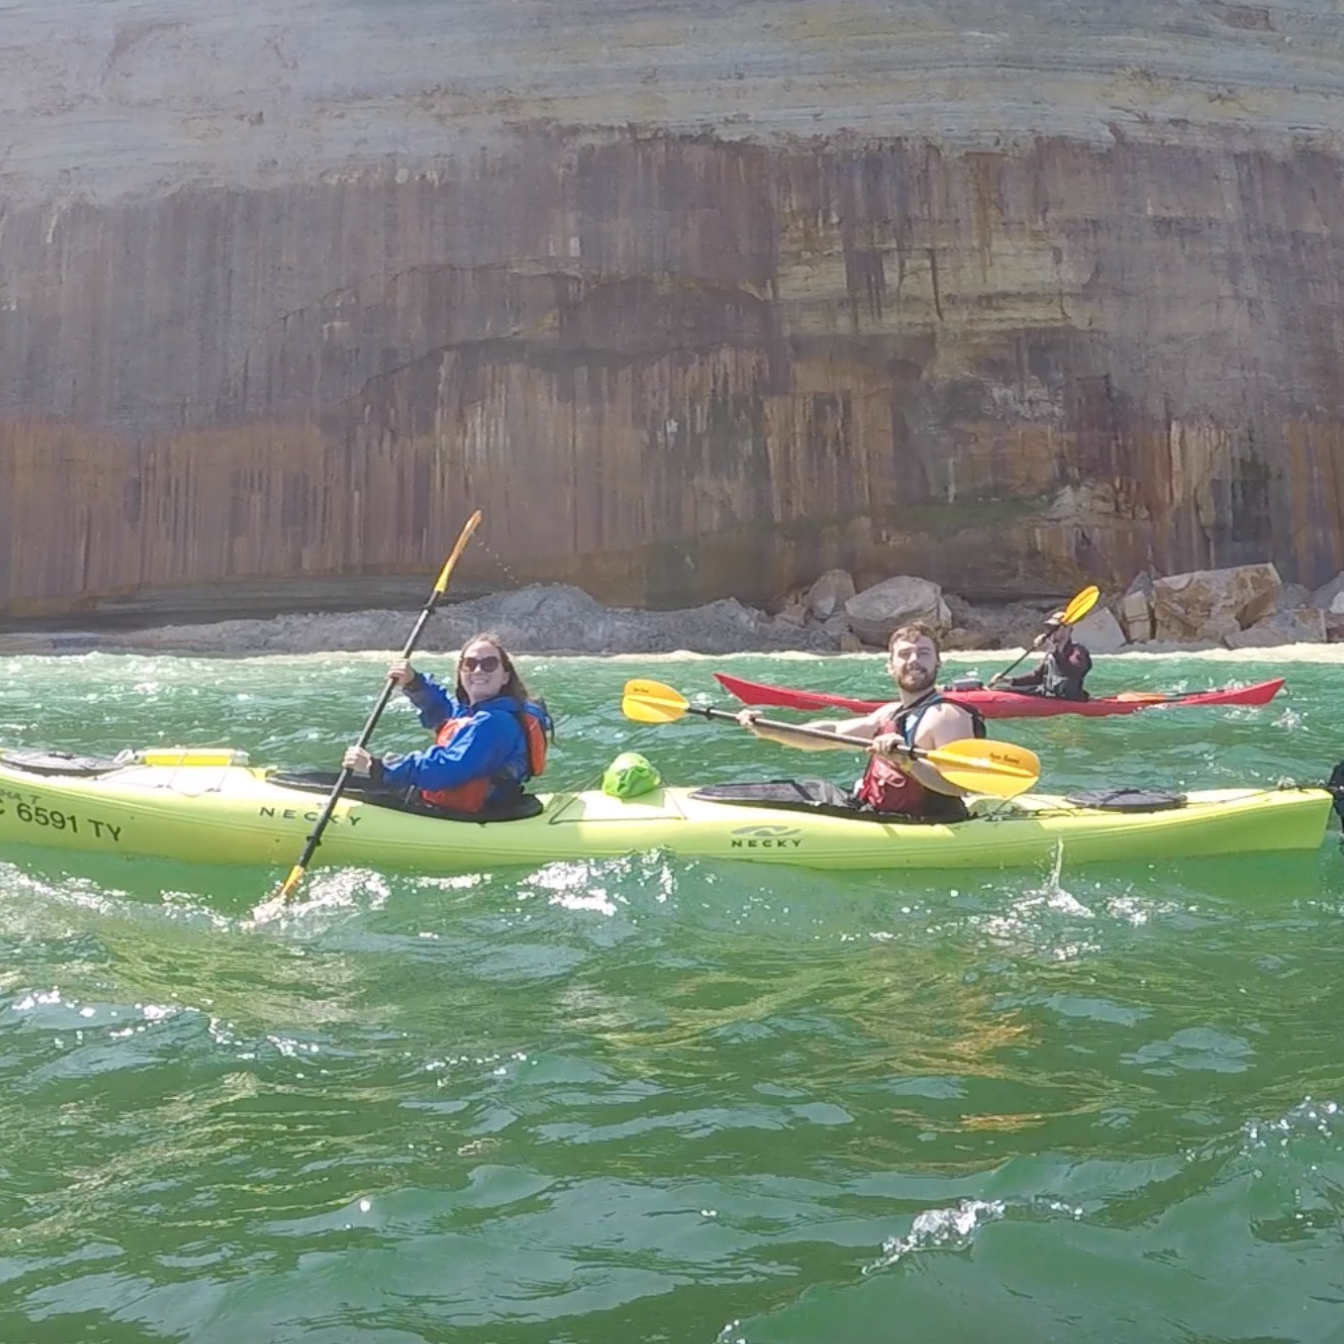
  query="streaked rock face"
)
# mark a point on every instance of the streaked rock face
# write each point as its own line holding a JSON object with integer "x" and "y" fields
{"x": 692, "y": 299}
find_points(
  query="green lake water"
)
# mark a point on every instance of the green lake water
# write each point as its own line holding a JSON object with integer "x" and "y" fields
{"x": 658, "y": 1100}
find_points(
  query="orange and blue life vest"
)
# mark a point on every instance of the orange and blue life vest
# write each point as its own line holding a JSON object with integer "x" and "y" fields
{"x": 482, "y": 755}
{"x": 474, "y": 795}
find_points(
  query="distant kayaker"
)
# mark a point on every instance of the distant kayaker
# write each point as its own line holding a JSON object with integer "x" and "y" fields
{"x": 893, "y": 783}
{"x": 490, "y": 736}
{"x": 1063, "y": 668}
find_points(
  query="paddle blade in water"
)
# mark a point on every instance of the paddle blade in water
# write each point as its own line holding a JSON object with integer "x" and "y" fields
{"x": 651, "y": 702}
{"x": 981, "y": 766}
{"x": 320, "y": 825}
{"x": 1081, "y": 604}
{"x": 292, "y": 881}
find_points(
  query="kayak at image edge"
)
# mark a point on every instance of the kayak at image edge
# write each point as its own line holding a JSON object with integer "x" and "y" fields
{"x": 207, "y": 806}
{"x": 1004, "y": 704}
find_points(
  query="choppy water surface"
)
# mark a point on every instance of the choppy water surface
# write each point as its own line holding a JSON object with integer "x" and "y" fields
{"x": 656, "y": 1100}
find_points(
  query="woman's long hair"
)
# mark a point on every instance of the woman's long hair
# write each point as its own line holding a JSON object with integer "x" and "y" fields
{"x": 514, "y": 686}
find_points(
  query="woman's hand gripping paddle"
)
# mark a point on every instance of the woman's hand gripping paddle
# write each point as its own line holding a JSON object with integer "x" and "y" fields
{"x": 323, "y": 817}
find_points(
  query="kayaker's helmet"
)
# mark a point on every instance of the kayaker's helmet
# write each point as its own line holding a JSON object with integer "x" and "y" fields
{"x": 629, "y": 776}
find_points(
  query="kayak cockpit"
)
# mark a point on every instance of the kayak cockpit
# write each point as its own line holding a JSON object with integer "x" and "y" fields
{"x": 365, "y": 791}
{"x": 819, "y": 797}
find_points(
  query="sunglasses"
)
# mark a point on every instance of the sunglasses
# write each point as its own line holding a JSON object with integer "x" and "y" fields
{"x": 487, "y": 664}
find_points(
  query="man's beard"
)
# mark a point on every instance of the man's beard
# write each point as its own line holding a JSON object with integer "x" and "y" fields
{"x": 916, "y": 679}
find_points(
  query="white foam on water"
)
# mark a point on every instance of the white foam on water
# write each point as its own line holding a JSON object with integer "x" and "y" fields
{"x": 946, "y": 1229}
{"x": 1308, "y": 1117}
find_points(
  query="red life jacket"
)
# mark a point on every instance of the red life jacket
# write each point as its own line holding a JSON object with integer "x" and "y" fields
{"x": 471, "y": 796}
{"x": 885, "y": 787}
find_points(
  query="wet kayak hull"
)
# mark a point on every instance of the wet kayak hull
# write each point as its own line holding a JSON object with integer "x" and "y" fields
{"x": 231, "y": 814}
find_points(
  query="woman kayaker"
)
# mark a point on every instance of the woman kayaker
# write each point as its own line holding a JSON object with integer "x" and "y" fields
{"x": 490, "y": 736}
{"x": 1063, "y": 668}
{"x": 895, "y": 784}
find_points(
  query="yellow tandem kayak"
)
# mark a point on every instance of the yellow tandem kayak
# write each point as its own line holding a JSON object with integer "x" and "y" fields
{"x": 205, "y": 807}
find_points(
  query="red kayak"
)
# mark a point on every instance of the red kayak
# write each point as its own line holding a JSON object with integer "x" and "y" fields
{"x": 1002, "y": 704}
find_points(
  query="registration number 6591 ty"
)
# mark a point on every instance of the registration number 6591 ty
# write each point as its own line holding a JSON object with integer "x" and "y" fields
{"x": 34, "y": 814}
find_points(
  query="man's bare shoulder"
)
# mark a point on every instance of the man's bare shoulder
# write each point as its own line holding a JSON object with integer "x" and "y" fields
{"x": 943, "y": 723}
{"x": 949, "y": 709}
{"x": 941, "y": 711}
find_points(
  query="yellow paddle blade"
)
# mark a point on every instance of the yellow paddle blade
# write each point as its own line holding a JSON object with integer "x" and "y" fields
{"x": 1143, "y": 697}
{"x": 292, "y": 881}
{"x": 450, "y": 564}
{"x": 981, "y": 766}
{"x": 1080, "y": 605}
{"x": 652, "y": 702}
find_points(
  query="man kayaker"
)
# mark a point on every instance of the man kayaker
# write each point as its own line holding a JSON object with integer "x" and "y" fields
{"x": 1063, "y": 668}
{"x": 893, "y": 783}
{"x": 490, "y": 735}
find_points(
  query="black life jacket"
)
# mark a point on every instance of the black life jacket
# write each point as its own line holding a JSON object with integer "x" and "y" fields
{"x": 1064, "y": 672}
{"x": 906, "y": 720}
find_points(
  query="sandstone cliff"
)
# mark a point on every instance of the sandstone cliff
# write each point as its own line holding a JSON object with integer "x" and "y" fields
{"x": 693, "y": 299}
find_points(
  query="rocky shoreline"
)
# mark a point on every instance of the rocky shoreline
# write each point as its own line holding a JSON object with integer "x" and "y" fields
{"x": 1247, "y": 606}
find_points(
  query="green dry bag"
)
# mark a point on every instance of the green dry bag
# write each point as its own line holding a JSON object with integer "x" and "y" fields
{"x": 629, "y": 776}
